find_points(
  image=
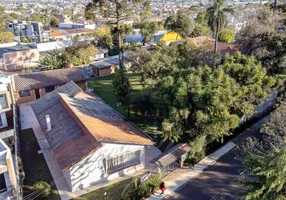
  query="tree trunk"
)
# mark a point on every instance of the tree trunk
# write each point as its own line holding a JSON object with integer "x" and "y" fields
{"x": 119, "y": 38}
{"x": 275, "y": 5}
{"x": 216, "y": 38}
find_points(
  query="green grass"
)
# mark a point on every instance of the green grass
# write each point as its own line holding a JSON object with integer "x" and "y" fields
{"x": 34, "y": 164}
{"x": 113, "y": 192}
{"x": 102, "y": 86}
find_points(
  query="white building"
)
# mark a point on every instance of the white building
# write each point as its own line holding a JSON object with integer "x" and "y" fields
{"x": 7, "y": 172}
{"x": 90, "y": 141}
{"x": 5, "y": 100}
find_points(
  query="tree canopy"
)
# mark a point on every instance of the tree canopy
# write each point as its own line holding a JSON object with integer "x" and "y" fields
{"x": 148, "y": 30}
{"x": 180, "y": 23}
{"x": 265, "y": 160}
{"x": 6, "y": 37}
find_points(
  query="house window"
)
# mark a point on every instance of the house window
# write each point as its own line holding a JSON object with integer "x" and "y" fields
{"x": 3, "y": 101}
{"x": 49, "y": 88}
{"x": 123, "y": 161}
{"x": 25, "y": 93}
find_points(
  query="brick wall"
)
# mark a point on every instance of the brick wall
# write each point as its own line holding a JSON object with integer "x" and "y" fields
{"x": 42, "y": 92}
{"x": 21, "y": 100}
{"x": 82, "y": 85}
{"x": 107, "y": 71}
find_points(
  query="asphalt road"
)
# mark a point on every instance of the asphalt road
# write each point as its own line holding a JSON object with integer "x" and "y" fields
{"x": 212, "y": 181}
{"x": 219, "y": 181}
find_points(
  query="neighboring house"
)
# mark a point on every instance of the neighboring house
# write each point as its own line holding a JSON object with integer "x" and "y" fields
{"x": 5, "y": 100}
{"x": 90, "y": 141}
{"x": 58, "y": 36}
{"x": 7, "y": 172}
{"x": 223, "y": 48}
{"x": 169, "y": 37}
{"x": 29, "y": 87}
{"x": 18, "y": 57}
{"x": 107, "y": 67}
{"x": 160, "y": 36}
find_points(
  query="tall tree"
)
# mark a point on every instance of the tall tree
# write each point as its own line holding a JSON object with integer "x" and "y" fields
{"x": 259, "y": 25}
{"x": 54, "y": 22}
{"x": 216, "y": 19}
{"x": 121, "y": 86}
{"x": 268, "y": 173}
{"x": 180, "y": 23}
{"x": 116, "y": 12}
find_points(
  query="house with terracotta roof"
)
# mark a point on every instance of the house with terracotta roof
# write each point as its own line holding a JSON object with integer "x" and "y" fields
{"x": 58, "y": 36}
{"x": 223, "y": 48}
{"x": 30, "y": 87}
{"x": 89, "y": 140}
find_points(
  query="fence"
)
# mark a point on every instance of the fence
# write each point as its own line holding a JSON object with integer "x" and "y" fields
{"x": 18, "y": 190}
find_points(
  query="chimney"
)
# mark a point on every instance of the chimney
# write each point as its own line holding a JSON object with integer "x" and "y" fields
{"x": 48, "y": 120}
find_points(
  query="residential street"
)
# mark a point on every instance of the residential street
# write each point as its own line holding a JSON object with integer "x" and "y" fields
{"x": 218, "y": 181}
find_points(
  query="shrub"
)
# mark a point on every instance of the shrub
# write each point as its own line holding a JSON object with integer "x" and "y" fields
{"x": 226, "y": 35}
{"x": 140, "y": 190}
{"x": 43, "y": 187}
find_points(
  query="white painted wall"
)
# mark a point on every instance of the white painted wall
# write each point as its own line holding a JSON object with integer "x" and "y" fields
{"x": 48, "y": 46}
{"x": 92, "y": 169}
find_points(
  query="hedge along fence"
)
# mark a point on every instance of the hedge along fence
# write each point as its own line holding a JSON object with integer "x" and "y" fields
{"x": 138, "y": 190}
{"x": 19, "y": 172}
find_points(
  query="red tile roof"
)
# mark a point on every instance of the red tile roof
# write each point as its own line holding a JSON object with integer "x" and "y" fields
{"x": 80, "y": 122}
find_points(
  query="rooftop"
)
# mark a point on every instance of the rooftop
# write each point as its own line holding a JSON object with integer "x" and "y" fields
{"x": 171, "y": 155}
{"x": 48, "y": 78}
{"x": 11, "y": 49}
{"x": 85, "y": 122}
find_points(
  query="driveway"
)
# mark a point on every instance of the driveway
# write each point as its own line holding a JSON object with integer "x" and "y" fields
{"x": 219, "y": 180}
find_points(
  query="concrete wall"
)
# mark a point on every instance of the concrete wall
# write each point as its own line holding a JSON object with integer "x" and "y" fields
{"x": 264, "y": 107}
{"x": 7, "y": 160}
{"x": 19, "y": 60}
{"x": 92, "y": 169}
{"x": 48, "y": 46}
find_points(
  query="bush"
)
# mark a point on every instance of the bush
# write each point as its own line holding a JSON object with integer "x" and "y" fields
{"x": 198, "y": 151}
{"x": 43, "y": 187}
{"x": 140, "y": 190}
{"x": 226, "y": 35}
{"x": 200, "y": 30}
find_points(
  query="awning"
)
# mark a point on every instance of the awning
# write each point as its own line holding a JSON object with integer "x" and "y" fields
{"x": 171, "y": 155}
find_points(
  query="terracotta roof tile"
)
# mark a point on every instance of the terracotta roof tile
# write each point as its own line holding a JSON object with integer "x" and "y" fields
{"x": 48, "y": 78}
{"x": 80, "y": 121}
{"x": 102, "y": 121}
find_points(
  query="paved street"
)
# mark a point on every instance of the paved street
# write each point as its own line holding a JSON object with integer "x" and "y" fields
{"x": 219, "y": 180}
{"x": 213, "y": 180}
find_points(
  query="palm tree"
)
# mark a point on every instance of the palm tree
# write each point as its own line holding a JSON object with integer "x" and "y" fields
{"x": 216, "y": 19}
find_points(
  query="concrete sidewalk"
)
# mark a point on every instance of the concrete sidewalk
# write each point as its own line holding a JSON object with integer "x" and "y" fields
{"x": 182, "y": 176}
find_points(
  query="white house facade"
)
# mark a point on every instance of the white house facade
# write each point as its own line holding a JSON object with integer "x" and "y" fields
{"x": 112, "y": 160}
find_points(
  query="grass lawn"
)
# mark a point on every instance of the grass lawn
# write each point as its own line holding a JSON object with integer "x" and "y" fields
{"x": 34, "y": 164}
{"x": 113, "y": 192}
{"x": 102, "y": 86}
